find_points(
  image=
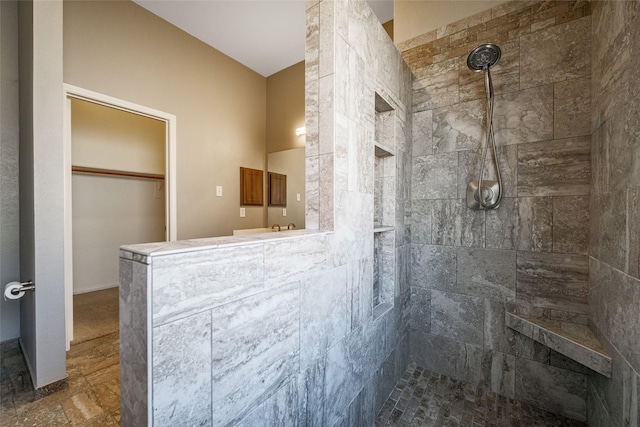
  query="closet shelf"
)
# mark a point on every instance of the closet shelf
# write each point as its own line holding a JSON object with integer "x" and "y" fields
{"x": 573, "y": 340}
{"x": 113, "y": 172}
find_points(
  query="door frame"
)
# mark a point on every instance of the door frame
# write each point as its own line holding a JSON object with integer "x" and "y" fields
{"x": 75, "y": 92}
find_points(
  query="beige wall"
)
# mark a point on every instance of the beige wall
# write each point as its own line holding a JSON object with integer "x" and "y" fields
{"x": 110, "y": 211}
{"x": 285, "y": 108}
{"x": 414, "y": 18}
{"x": 388, "y": 27}
{"x": 290, "y": 163}
{"x": 108, "y": 138}
{"x": 122, "y": 50}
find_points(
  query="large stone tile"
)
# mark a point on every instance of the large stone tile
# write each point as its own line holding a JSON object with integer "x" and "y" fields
{"x": 486, "y": 273}
{"x": 500, "y": 338}
{"x": 436, "y": 85}
{"x": 312, "y": 190}
{"x": 571, "y": 224}
{"x": 281, "y": 408}
{"x": 608, "y": 20}
{"x": 624, "y": 149}
{"x": 354, "y": 222}
{"x": 458, "y": 127}
{"x": 311, "y": 395}
{"x": 420, "y": 303}
{"x": 505, "y": 75}
{"x": 619, "y": 394}
{"x": 572, "y": 108}
{"x": 434, "y": 177}
{"x": 440, "y": 354}
{"x": 433, "y": 267}
{"x": 134, "y": 348}
{"x": 422, "y": 126}
{"x": 633, "y": 225}
{"x": 614, "y": 300}
{"x": 383, "y": 382}
{"x": 360, "y": 291}
{"x": 323, "y": 313}
{"x": 608, "y": 228}
{"x": 288, "y": 261}
{"x": 555, "y": 168}
{"x": 553, "y": 389}
{"x": 520, "y": 223}
{"x": 464, "y": 362}
{"x": 454, "y": 224}
{"x": 524, "y": 116}
{"x": 534, "y": 224}
{"x": 596, "y": 412}
{"x": 559, "y": 53}
{"x": 421, "y": 211}
{"x": 343, "y": 380}
{"x": 458, "y": 317}
{"x": 614, "y": 80}
{"x": 469, "y": 168}
{"x": 600, "y": 159}
{"x": 255, "y": 348}
{"x": 326, "y": 192}
{"x": 184, "y": 284}
{"x": 556, "y": 281}
{"x": 182, "y": 371}
{"x": 361, "y": 411}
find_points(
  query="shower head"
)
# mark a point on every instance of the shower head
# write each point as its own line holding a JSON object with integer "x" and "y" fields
{"x": 483, "y": 57}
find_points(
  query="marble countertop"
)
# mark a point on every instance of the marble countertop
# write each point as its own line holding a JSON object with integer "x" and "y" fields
{"x": 192, "y": 245}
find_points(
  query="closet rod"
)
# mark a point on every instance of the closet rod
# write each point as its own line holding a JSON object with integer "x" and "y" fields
{"x": 112, "y": 172}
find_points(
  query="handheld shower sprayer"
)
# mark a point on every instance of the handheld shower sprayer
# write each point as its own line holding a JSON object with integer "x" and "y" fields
{"x": 486, "y": 194}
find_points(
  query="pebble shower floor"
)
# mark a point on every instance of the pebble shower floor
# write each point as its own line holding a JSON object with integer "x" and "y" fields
{"x": 425, "y": 398}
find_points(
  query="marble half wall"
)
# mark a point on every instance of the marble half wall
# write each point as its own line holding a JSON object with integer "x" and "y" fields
{"x": 257, "y": 330}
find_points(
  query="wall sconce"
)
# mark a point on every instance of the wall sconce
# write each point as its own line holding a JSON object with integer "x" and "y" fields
{"x": 301, "y": 131}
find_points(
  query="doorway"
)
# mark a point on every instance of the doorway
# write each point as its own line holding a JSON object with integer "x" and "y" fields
{"x": 113, "y": 195}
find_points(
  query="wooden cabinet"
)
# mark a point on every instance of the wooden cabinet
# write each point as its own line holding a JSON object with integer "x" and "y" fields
{"x": 251, "y": 187}
{"x": 277, "y": 189}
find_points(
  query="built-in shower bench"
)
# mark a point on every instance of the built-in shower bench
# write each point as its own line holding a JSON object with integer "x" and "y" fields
{"x": 573, "y": 340}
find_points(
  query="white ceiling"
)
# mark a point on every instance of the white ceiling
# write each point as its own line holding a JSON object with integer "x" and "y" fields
{"x": 264, "y": 35}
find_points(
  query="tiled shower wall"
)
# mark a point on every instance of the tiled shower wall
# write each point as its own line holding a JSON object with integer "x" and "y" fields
{"x": 530, "y": 255}
{"x": 614, "y": 264}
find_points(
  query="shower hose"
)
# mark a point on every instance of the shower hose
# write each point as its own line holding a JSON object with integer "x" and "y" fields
{"x": 491, "y": 142}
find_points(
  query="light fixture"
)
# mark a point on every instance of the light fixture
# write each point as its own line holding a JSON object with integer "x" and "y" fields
{"x": 301, "y": 131}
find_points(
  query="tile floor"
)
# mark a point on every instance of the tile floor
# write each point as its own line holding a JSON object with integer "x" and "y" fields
{"x": 95, "y": 314}
{"x": 425, "y": 398}
{"x": 92, "y": 397}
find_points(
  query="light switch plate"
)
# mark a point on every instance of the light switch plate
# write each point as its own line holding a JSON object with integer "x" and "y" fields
{"x": 298, "y": 196}
{"x": 284, "y": 211}
{"x": 242, "y": 213}
{"x": 218, "y": 191}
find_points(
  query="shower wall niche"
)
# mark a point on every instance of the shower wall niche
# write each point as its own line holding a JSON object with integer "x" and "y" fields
{"x": 384, "y": 206}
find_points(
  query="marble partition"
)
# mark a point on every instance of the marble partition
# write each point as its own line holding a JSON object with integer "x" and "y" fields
{"x": 531, "y": 254}
{"x": 264, "y": 330}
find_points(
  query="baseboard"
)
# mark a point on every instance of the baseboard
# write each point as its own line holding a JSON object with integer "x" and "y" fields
{"x": 96, "y": 288}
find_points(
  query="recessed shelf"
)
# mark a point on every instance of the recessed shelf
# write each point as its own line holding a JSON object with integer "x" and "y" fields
{"x": 573, "y": 340}
{"x": 382, "y": 228}
{"x": 382, "y": 151}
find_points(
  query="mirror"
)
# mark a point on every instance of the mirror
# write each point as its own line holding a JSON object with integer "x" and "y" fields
{"x": 290, "y": 163}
